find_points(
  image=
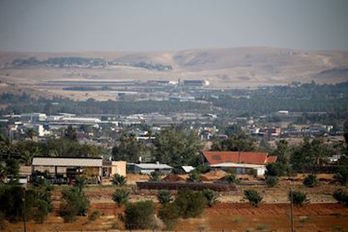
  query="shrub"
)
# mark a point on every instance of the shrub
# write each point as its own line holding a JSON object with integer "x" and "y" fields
{"x": 342, "y": 175}
{"x": 190, "y": 203}
{"x": 298, "y": 197}
{"x": 272, "y": 181}
{"x": 310, "y": 181}
{"x": 275, "y": 169}
{"x": 169, "y": 214}
{"x": 195, "y": 176}
{"x": 120, "y": 196}
{"x": 210, "y": 197}
{"x": 119, "y": 180}
{"x": 140, "y": 215}
{"x": 203, "y": 168}
{"x": 253, "y": 196}
{"x": 94, "y": 215}
{"x": 155, "y": 176}
{"x": 74, "y": 203}
{"x": 232, "y": 179}
{"x": 80, "y": 182}
{"x": 164, "y": 197}
{"x": 341, "y": 196}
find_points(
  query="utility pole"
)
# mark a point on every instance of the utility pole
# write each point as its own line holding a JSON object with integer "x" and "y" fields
{"x": 24, "y": 213}
{"x": 291, "y": 211}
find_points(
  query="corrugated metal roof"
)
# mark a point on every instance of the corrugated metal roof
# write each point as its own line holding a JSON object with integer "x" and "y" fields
{"x": 68, "y": 162}
{"x": 153, "y": 166}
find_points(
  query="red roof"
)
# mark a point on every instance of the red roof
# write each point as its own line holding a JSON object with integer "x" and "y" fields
{"x": 217, "y": 157}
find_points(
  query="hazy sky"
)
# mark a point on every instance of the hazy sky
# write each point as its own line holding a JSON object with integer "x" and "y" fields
{"x": 102, "y": 25}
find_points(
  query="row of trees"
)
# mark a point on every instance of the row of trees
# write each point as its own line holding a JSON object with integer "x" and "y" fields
{"x": 172, "y": 146}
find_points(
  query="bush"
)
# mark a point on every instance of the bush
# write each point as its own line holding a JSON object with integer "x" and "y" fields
{"x": 74, "y": 203}
{"x": 140, "y": 215}
{"x": 275, "y": 169}
{"x": 195, "y": 176}
{"x": 155, "y": 176}
{"x": 203, "y": 168}
{"x": 272, "y": 181}
{"x": 342, "y": 175}
{"x": 253, "y": 196}
{"x": 341, "y": 196}
{"x": 120, "y": 196}
{"x": 298, "y": 197}
{"x": 190, "y": 203}
{"x": 232, "y": 179}
{"x": 210, "y": 197}
{"x": 94, "y": 215}
{"x": 119, "y": 180}
{"x": 37, "y": 202}
{"x": 169, "y": 214}
{"x": 164, "y": 197}
{"x": 80, "y": 182}
{"x": 310, "y": 181}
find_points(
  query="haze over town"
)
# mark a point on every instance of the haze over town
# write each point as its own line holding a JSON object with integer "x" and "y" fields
{"x": 174, "y": 115}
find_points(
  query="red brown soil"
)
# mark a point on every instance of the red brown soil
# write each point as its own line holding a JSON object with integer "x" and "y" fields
{"x": 221, "y": 217}
{"x": 175, "y": 178}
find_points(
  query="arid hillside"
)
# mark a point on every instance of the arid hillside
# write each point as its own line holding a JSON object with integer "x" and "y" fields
{"x": 223, "y": 68}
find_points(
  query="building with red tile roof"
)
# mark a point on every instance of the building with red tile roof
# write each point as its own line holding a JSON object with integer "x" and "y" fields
{"x": 242, "y": 161}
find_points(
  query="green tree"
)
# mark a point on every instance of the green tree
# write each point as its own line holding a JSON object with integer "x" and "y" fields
{"x": 164, "y": 197}
{"x": 341, "y": 175}
{"x": 70, "y": 133}
{"x": 310, "y": 181}
{"x": 74, "y": 203}
{"x": 298, "y": 197}
{"x": 119, "y": 180}
{"x": 177, "y": 147}
{"x": 129, "y": 149}
{"x": 253, "y": 197}
{"x": 272, "y": 181}
{"x": 140, "y": 215}
{"x": 190, "y": 203}
{"x": 282, "y": 152}
{"x": 120, "y": 196}
{"x": 239, "y": 142}
{"x": 210, "y": 197}
{"x": 169, "y": 214}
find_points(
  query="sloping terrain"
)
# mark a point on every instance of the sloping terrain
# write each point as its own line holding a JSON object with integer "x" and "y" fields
{"x": 223, "y": 68}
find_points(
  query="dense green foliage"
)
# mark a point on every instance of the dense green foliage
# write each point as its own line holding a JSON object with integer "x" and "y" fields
{"x": 177, "y": 147}
{"x": 119, "y": 180}
{"x": 210, "y": 197}
{"x": 332, "y": 99}
{"x": 32, "y": 203}
{"x": 310, "y": 181}
{"x": 341, "y": 196}
{"x": 120, "y": 196}
{"x": 190, "y": 203}
{"x": 140, "y": 215}
{"x": 239, "y": 142}
{"x": 298, "y": 197}
{"x": 232, "y": 179}
{"x": 129, "y": 149}
{"x": 169, "y": 214}
{"x": 164, "y": 197}
{"x": 272, "y": 181}
{"x": 253, "y": 197}
{"x": 341, "y": 175}
{"x": 74, "y": 203}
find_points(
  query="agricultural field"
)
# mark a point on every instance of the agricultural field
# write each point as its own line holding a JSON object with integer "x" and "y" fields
{"x": 231, "y": 213}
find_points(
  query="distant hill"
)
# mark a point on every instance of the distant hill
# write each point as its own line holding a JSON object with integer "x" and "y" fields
{"x": 224, "y": 67}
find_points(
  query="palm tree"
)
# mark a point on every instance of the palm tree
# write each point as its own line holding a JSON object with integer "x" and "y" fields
{"x": 3, "y": 173}
{"x": 30, "y": 133}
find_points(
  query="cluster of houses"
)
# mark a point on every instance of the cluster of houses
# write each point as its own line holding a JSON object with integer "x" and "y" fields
{"x": 64, "y": 169}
